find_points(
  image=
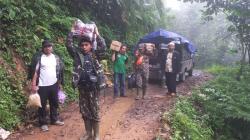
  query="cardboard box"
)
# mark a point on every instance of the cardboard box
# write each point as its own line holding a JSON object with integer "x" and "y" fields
{"x": 115, "y": 45}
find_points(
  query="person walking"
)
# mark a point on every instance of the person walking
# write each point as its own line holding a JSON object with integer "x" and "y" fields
{"x": 141, "y": 67}
{"x": 47, "y": 75}
{"x": 85, "y": 78}
{"x": 120, "y": 60}
{"x": 172, "y": 68}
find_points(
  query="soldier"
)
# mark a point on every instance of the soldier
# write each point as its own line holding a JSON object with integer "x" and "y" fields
{"x": 141, "y": 67}
{"x": 85, "y": 77}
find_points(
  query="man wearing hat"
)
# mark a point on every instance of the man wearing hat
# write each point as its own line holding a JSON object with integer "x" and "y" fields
{"x": 85, "y": 78}
{"x": 47, "y": 74}
{"x": 172, "y": 68}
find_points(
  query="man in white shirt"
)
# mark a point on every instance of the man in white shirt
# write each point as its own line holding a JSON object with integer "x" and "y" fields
{"x": 46, "y": 80}
{"x": 172, "y": 68}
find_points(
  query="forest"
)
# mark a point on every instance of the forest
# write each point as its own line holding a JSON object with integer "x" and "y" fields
{"x": 217, "y": 110}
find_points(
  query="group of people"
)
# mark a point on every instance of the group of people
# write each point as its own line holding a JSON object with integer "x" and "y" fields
{"x": 171, "y": 66}
{"x": 47, "y": 78}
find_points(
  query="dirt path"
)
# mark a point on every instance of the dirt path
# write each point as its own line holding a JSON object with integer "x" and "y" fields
{"x": 122, "y": 119}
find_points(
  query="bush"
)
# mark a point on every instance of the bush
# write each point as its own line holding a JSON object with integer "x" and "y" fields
{"x": 187, "y": 123}
{"x": 12, "y": 101}
{"x": 226, "y": 101}
{"x": 218, "y": 110}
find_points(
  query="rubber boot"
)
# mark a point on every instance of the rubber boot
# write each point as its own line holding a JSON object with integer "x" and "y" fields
{"x": 88, "y": 128}
{"x": 137, "y": 93}
{"x": 96, "y": 126}
{"x": 143, "y": 93}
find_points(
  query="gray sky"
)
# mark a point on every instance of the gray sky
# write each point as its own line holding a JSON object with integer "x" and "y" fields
{"x": 178, "y": 5}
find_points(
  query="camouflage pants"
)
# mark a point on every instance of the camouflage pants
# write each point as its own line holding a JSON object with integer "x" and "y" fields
{"x": 141, "y": 79}
{"x": 89, "y": 103}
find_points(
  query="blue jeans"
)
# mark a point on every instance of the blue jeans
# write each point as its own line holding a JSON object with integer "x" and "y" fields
{"x": 119, "y": 84}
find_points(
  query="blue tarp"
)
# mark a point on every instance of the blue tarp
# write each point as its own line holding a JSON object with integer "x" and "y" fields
{"x": 163, "y": 36}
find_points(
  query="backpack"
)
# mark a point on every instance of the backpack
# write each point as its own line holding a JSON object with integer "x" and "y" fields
{"x": 100, "y": 78}
{"x": 131, "y": 81}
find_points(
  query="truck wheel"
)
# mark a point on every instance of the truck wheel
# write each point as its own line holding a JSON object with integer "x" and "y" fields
{"x": 190, "y": 72}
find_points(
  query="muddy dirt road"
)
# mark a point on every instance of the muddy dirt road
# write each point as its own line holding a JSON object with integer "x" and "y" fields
{"x": 122, "y": 119}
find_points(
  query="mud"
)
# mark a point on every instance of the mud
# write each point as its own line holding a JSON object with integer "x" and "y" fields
{"x": 121, "y": 119}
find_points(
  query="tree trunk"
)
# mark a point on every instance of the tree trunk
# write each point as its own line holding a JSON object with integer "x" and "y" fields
{"x": 243, "y": 59}
{"x": 248, "y": 48}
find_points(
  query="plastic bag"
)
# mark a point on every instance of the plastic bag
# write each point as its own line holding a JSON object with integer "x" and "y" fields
{"x": 81, "y": 29}
{"x": 34, "y": 100}
{"x": 61, "y": 96}
{"x": 132, "y": 81}
{"x": 4, "y": 134}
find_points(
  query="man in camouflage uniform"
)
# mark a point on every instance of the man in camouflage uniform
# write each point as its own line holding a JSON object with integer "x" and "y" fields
{"x": 86, "y": 68}
{"x": 141, "y": 71}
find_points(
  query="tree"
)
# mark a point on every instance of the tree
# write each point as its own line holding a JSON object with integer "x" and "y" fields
{"x": 238, "y": 12}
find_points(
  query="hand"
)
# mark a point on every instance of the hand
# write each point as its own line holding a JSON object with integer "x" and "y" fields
{"x": 34, "y": 89}
{"x": 60, "y": 86}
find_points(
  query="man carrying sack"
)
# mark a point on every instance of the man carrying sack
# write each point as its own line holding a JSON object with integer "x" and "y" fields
{"x": 85, "y": 78}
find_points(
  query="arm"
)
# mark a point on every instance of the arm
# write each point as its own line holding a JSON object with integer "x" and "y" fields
{"x": 34, "y": 86}
{"x": 113, "y": 57}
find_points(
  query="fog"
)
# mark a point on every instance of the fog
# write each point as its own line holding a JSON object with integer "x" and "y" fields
{"x": 214, "y": 43}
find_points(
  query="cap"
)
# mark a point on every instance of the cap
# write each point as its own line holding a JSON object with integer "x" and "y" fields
{"x": 171, "y": 44}
{"x": 46, "y": 43}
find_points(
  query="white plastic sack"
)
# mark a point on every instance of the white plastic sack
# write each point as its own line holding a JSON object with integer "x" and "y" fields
{"x": 81, "y": 29}
{"x": 4, "y": 134}
{"x": 84, "y": 29}
{"x": 34, "y": 100}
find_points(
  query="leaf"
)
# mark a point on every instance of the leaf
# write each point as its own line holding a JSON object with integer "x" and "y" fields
{"x": 12, "y": 14}
{"x": 36, "y": 38}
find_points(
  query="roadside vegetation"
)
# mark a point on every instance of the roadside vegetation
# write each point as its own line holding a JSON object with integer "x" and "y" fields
{"x": 218, "y": 110}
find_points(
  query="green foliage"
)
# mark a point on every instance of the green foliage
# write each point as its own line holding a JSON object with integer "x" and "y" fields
{"x": 219, "y": 70}
{"x": 12, "y": 101}
{"x": 218, "y": 110}
{"x": 187, "y": 123}
{"x": 226, "y": 100}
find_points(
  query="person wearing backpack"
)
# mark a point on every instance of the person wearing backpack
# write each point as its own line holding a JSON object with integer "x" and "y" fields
{"x": 141, "y": 68}
{"x": 120, "y": 60}
{"x": 85, "y": 78}
{"x": 46, "y": 73}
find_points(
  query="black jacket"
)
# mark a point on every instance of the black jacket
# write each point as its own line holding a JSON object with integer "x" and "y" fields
{"x": 37, "y": 59}
{"x": 176, "y": 62}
